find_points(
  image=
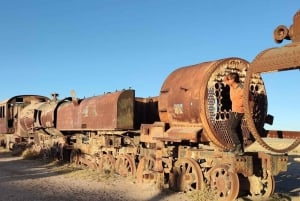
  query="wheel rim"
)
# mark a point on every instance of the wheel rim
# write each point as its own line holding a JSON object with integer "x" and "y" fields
{"x": 125, "y": 166}
{"x": 145, "y": 170}
{"x": 260, "y": 187}
{"x": 106, "y": 163}
{"x": 224, "y": 183}
{"x": 188, "y": 175}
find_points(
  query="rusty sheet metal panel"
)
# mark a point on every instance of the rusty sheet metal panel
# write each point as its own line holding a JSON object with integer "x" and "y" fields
{"x": 276, "y": 59}
{"x": 46, "y": 114}
{"x": 111, "y": 111}
{"x": 195, "y": 96}
{"x": 25, "y": 107}
{"x": 3, "y": 126}
{"x": 150, "y": 133}
{"x": 67, "y": 115}
{"x": 27, "y": 117}
{"x": 273, "y": 163}
{"x": 180, "y": 94}
{"x": 191, "y": 134}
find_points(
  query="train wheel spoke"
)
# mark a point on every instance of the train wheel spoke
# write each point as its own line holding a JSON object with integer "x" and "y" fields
{"x": 188, "y": 175}
{"x": 106, "y": 163}
{"x": 224, "y": 183}
{"x": 125, "y": 165}
{"x": 145, "y": 171}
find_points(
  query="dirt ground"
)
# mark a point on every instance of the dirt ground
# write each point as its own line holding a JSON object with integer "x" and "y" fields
{"x": 35, "y": 180}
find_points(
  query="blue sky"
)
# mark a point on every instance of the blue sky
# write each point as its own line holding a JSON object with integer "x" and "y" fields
{"x": 97, "y": 46}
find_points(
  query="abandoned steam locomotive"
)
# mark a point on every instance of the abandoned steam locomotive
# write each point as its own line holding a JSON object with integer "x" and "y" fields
{"x": 178, "y": 139}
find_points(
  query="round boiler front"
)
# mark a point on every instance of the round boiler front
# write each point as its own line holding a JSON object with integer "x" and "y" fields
{"x": 196, "y": 96}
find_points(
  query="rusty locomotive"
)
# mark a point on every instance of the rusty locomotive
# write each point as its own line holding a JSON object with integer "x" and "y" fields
{"x": 178, "y": 140}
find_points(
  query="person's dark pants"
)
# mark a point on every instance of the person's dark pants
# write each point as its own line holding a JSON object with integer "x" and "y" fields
{"x": 235, "y": 132}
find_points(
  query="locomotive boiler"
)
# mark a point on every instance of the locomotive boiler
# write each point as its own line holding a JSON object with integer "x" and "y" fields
{"x": 177, "y": 140}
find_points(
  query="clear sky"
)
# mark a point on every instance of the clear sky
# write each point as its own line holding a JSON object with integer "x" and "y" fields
{"x": 97, "y": 46}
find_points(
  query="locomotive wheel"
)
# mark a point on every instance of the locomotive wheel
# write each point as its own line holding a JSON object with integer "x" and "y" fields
{"x": 90, "y": 162}
{"x": 125, "y": 165}
{"x": 260, "y": 187}
{"x": 84, "y": 160}
{"x": 145, "y": 171}
{"x": 106, "y": 163}
{"x": 224, "y": 183}
{"x": 188, "y": 175}
{"x": 93, "y": 165}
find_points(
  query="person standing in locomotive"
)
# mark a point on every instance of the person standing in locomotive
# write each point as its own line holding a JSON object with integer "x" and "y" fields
{"x": 237, "y": 111}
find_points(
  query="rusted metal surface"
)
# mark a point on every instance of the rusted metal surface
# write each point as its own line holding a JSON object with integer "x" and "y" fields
{"x": 125, "y": 165}
{"x": 221, "y": 170}
{"x": 195, "y": 96}
{"x": 273, "y": 163}
{"x": 145, "y": 170}
{"x": 111, "y": 111}
{"x": 180, "y": 138}
{"x": 282, "y": 58}
{"x": 26, "y": 112}
{"x": 243, "y": 165}
{"x": 180, "y": 95}
{"x": 45, "y": 113}
{"x": 188, "y": 175}
{"x": 270, "y": 60}
{"x": 224, "y": 182}
{"x": 150, "y": 133}
{"x": 293, "y": 33}
{"x": 178, "y": 134}
{"x": 15, "y": 119}
{"x": 261, "y": 187}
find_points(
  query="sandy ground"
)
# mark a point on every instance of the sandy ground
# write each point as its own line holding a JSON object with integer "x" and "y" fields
{"x": 27, "y": 180}
{"x": 35, "y": 180}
